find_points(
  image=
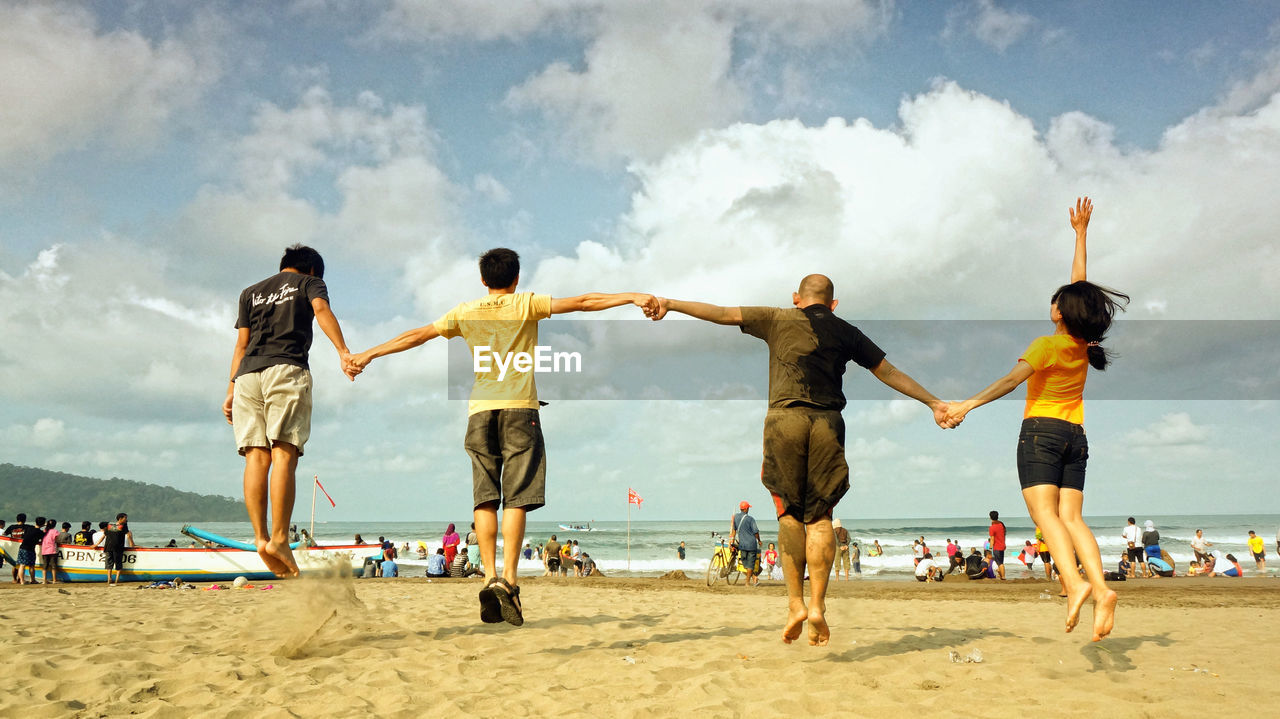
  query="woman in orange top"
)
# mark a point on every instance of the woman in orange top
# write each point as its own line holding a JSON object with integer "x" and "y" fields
{"x": 1052, "y": 447}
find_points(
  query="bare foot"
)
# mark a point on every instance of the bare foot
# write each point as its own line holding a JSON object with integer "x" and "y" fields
{"x": 281, "y": 566}
{"x": 795, "y": 622}
{"x": 1076, "y": 600}
{"x": 1104, "y": 614}
{"x": 819, "y": 632}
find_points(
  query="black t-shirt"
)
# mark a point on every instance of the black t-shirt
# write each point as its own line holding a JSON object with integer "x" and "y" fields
{"x": 1150, "y": 538}
{"x": 15, "y": 531}
{"x": 277, "y": 311}
{"x": 31, "y": 537}
{"x": 808, "y": 351}
{"x": 973, "y": 565}
{"x": 114, "y": 541}
{"x": 84, "y": 537}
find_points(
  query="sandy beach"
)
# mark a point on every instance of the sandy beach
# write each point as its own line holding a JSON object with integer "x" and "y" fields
{"x": 1184, "y": 647}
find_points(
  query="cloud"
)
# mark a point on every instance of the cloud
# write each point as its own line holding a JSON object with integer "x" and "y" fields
{"x": 992, "y": 25}
{"x": 68, "y": 84}
{"x": 1172, "y": 430}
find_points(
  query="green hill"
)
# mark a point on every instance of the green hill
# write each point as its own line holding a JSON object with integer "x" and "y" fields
{"x": 71, "y": 498}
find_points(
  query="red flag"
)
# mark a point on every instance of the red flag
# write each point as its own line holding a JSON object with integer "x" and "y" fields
{"x": 326, "y": 494}
{"x": 633, "y": 498}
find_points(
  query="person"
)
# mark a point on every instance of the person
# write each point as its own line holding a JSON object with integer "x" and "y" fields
{"x": 955, "y": 557}
{"x": 1028, "y": 554}
{"x": 842, "y": 549}
{"x": 1131, "y": 536}
{"x": 30, "y": 536}
{"x": 306, "y": 541}
{"x": 746, "y": 535}
{"x": 771, "y": 559}
{"x": 1150, "y": 546}
{"x": 1200, "y": 547}
{"x": 928, "y": 570}
{"x": 1233, "y": 571}
{"x": 527, "y": 552}
{"x": 1278, "y": 541}
{"x": 461, "y": 566}
{"x": 389, "y": 568}
{"x": 588, "y": 565}
{"x": 804, "y": 465}
{"x": 917, "y": 551}
{"x": 49, "y": 552}
{"x": 269, "y": 396}
{"x": 504, "y": 430}
{"x": 566, "y": 557}
{"x": 1043, "y": 549}
{"x": 64, "y": 536}
{"x": 473, "y": 543}
{"x": 293, "y": 534}
{"x": 855, "y": 556}
{"x": 551, "y": 554}
{"x": 173, "y": 543}
{"x": 357, "y": 540}
{"x": 84, "y": 537}
{"x": 876, "y": 550}
{"x": 1052, "y": 447}
{"x": 436, "y": 566}
{"x": 995, "y": 535}
{"x": 450, "y": 542}
{"x": 1125, "y": 567}
{"x": 1160, "y": 567}
{"x": 680, "y": 551}
{"x": 974, "y": 566}
{"x": 114, "y": 540}
{"x": 993, "y": 566}
{"x": 1258, "y": 548}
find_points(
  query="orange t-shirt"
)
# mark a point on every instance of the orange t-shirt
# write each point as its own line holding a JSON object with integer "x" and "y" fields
{"x": 1057, "y": 387}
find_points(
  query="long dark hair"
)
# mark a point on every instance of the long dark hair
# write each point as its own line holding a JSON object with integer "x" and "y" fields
{"x": 1087, "y": 310}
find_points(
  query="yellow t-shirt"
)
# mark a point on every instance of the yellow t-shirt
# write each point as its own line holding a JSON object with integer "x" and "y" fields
{"x": 1256, "y": 545}
{"x": 498, "y": 328}
{"x": 1057, "y": 387}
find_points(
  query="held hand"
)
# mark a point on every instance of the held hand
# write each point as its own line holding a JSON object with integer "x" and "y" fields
{"x": 661, "y": 306}
{"x": 355, "y": 364}
{"x": 941, "y": 415}
{"x": 226, "y": 407}
{"x": 957, "y": 412}
{"x": 648, "y": 303}
{"x": 345, "y": 359}
{"x": 1080, "y": 215}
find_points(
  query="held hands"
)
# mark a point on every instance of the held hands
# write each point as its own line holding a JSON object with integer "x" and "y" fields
{"x": 658, "y": 310}
{"x": 956, "y": 413}
{"x": 647, "y": 303}
{"x": 353, "y": 365}
{"x": 1080, "y": 215}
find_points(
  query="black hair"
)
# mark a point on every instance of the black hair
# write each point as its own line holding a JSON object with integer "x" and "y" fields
{"x": 1087, "y": 310}
{"x": 66, "y": 525}
{"x": 39, "y": 521}
{"x": 122, "y": 515}
{"x": 1132, "y": 520}
{"x": 994, "y": 515}
{"x": 22, "y": 517}
{"x": 50, "y": 524}
{"x": 103, "y": 525}
{"x": 1231, "y": 557}
{"x": 499, "y": 268}
{"x": 85, "y": 524}
{"x": 303, "y": 259}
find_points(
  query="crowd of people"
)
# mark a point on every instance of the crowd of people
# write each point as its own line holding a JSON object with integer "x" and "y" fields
{"x": 38, "y": 545}
{"x": 557, "y": 558}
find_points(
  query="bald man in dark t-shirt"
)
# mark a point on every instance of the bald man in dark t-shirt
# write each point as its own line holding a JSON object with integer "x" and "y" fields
{"x": 804, "y": 464}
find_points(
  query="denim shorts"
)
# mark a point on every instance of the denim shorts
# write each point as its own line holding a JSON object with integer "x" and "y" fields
{"x": 1052, "y": 451}
{"x": 508, "y": 458}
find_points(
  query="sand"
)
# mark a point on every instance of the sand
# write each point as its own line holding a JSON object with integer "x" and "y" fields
{"x": 1184, "y": 647}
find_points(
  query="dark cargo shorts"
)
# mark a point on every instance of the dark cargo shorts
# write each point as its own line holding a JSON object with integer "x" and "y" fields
{"x": 508, "y": 459}
{"x": 804, "y": 464}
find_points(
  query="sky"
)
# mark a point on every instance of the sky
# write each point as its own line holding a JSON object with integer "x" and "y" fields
{"x": 157, "y": 156}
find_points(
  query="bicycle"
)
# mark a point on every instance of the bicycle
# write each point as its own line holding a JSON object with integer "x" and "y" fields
{"x": 724, "y": 563}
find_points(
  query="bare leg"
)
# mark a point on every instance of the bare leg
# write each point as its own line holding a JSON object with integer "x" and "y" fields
{"x": 486, "y": 519}
{"x": 1070, "y": 503}
{"x": 820, "y": 553}
{"x": 257, "y": 467}
{"x": 284, "y": 465}
{"x": 513, "y": 521}
{"x": 791, "y": 551}
{"x": 1042, "y": 503}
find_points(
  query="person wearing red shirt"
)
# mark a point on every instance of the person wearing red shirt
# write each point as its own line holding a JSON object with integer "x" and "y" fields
{"x": 996, "y": 537}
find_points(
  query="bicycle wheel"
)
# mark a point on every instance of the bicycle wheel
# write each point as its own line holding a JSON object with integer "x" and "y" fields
{"x": 715, "y": 569}
{"x": 734, "y": 574}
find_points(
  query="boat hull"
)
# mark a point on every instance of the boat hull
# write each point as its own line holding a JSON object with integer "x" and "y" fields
{"x": 220, "y": 564}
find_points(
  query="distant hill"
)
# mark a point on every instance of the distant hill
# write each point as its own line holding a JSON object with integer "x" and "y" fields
{"x": 70, "y": 498}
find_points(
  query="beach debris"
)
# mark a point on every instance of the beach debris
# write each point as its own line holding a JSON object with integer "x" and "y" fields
{"x": 674, "y": 574}
{"x": 973, "y": 657}
{"x": 629, "y": 659}
{"x": 930, "y": 685}
{"x": 743, "y": 657}
{"x": 1044, "y": 594}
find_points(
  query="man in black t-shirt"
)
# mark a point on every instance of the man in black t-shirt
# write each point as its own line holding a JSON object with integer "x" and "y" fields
{"x": 114, "y": 539}
{"x": 18, "y": 531}
{"x": 28, "y": 549}
{"x": 804, "y": 464}
{"x": 84, "y": 537}
{"x": 269, "y": 398}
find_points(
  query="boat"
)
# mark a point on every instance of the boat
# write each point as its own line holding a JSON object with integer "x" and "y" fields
{"x": 578, "y": 527}
{"x": 191, "y": 564}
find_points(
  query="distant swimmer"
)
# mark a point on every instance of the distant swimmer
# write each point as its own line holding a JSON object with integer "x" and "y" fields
{"x": 1052, "y": 447}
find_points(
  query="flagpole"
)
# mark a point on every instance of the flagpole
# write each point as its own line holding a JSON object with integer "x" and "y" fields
{"x": 315, "y": 482}
{"x": 628, "y": 532}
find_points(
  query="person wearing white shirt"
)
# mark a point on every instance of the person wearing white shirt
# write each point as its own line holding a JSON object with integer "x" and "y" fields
{"x": 1200, "y": 547}
{"x": 1130, "y": 535}
{"x": 928, "y": 570}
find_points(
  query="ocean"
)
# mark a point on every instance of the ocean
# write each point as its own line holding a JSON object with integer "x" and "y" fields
{"x": 649, "y": 549}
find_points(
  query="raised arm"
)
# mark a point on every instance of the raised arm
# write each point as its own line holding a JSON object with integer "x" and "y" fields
{"x": 403, "y": 341}
{"x": 329, "y": 325}
{"x": 596, "y": 301}
{"x": 996, "y": 390}
{"x": 1080, "y": 222}
{"x": 902, "y": 382}
{"x": 700, "y": 310}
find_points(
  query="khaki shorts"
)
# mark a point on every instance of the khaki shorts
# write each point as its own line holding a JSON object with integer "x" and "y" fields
{"x": 804, "y": 465}
{"x": 272, "y": 405}
{"x": 842, "y": 560}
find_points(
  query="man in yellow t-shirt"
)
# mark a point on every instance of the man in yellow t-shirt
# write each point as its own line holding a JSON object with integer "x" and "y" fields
{"x": 504, "y": 432}
{"x": 1258, "y": 547}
